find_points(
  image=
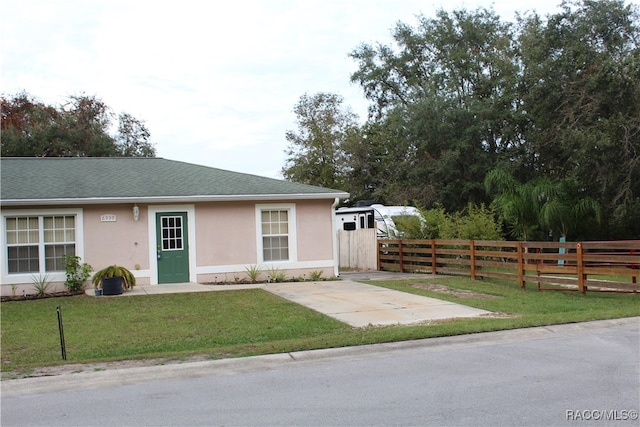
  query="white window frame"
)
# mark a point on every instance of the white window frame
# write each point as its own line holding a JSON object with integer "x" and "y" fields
{"x": 54, "y": 276}
{"x": 292, "y": 235}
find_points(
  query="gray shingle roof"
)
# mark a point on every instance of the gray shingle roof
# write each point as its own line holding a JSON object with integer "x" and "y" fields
{"x": 76, "y": 179}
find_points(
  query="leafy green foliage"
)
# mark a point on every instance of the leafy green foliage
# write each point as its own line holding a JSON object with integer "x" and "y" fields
{"x": 518, "y": 205}
{"x": 408, "y": 225}
{"x": 581, "y": 90}
{"x": 566, "y": 208}
{"x": 540, "y": 205}
{"x": 548, "y": 100}
{"x": 437, "y": 224}
{"x": 315, "y": 152}
{"x": 445, "y": 96}
{"x": 474, "y": 223}
{"x": 76, "y": 272}
{"x": 132, "y": 139}
{"x": 78, "y": 128}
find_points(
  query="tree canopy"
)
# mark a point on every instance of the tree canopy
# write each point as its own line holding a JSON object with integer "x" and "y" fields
{"x": 316, "y": 149}
{"x": 552, "y": 99}
{"x": 80, "y": 127}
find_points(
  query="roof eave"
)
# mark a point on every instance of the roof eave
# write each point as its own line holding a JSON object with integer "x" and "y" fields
{"x": 171, "y": 199}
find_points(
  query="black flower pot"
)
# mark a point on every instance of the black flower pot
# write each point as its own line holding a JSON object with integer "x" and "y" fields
{"x": 112, "y": 286}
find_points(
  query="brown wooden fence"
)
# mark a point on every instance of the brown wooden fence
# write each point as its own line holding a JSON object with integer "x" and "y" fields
{"x": 593, "y": 266}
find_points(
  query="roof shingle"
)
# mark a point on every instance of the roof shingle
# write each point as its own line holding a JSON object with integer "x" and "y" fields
{"x": 114, "y": 178}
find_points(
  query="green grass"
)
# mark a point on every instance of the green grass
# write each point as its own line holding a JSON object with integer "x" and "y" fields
{"x": 250, "y": 322}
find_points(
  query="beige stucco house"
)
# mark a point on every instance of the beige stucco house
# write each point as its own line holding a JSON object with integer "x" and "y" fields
{"x": 167, "y": 221}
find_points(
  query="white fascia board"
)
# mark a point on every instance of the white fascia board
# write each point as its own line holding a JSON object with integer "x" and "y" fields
{"x": 172, "y": 199}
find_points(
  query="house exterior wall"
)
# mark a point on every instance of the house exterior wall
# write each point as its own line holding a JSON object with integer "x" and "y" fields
{"x": 226, "y": 234}
{"x": 315, "y": 230}
{"x": 226, "y": 238}
{"x": 123, "y": 241}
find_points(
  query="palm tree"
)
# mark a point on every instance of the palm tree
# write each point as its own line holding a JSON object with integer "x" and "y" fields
{"x": 566, "y": 208}
{"x": 518, "y": 205}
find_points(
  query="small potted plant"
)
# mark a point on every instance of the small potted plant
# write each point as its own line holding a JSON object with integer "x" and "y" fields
{"x": 113, "y": 280}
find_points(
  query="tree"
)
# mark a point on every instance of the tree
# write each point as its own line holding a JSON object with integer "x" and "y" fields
{"x": 379, "y": 164}
{"x": 83, "y": 128}
{"x": 464, "y": 93}
{"x": 518, "y": 205}
{"x": 28, "y": 127}
{"x": 315, "y": 153}
{"x": 446, "y": 94}
{"x": 132, "y": 139}
{"x": 553, "y": 207}
{"x": 80, "y": 127}
{"x": 548, "y": 101}
{"x": 581, "y": 90}
{"x": 566, "y": 208}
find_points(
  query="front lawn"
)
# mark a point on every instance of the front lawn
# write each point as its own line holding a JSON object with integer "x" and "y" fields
{"x": 253, "y": 321}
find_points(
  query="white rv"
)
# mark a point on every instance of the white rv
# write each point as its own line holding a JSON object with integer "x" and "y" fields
{"x": 373, "y": 216}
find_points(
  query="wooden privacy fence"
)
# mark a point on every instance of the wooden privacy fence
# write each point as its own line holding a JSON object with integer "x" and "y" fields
{"x": 357, "y": 249}
{"x": 595, "y": 266}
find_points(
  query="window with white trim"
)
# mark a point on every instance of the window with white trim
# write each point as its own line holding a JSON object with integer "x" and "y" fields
{"x": 275, "y": 234}
{"x": 276, "y": 240}
{"x": 38, "y": 243}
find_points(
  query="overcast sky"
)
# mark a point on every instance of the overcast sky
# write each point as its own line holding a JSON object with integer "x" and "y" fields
{"x": 215, "y": 82}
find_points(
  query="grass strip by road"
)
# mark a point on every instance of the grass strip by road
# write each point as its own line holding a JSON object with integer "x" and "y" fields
{"x": 253, "y": 321}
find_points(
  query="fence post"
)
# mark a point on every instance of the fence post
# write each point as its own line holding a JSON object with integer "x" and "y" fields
{"x": 434, "y": 266}
{"x": 400, "y": 253}
{"x": 521, "y": 281}
{"x": 472, "y": 258}
{"x": 63, "y": 347}
{"x": 580, "y": 268}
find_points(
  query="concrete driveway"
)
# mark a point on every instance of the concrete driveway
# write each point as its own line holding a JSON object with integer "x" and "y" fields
{"x": 359, "y": 304}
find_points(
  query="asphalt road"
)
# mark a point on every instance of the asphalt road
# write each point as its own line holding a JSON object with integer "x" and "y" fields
{"x": 565, "y": 375}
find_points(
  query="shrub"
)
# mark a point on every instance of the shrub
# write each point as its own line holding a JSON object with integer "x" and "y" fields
{"x": 77, "y": 273}
{"x": 477, "y": 223}
{"x": 474, "y": 223}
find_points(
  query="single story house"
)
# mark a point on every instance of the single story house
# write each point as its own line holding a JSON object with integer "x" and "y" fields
{"x": 166, "y": 221}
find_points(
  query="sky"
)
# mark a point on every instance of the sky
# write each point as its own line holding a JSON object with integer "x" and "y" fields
{"x": 214, "y": 82}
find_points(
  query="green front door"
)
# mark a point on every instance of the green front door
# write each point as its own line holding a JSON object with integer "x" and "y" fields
{"x": 172, "y": 247}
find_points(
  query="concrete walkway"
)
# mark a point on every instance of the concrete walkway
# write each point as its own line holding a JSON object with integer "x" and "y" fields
{"x": 349, "y": 301}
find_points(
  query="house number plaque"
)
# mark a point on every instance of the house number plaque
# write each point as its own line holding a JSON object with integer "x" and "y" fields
{"x": 108, "y": 218}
